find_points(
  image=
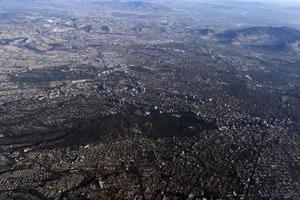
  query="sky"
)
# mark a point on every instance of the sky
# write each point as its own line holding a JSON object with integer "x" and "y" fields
{"x": 281, "y": 2}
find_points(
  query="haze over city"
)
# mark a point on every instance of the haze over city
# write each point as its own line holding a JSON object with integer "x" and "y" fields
{"x": 149, "y": 100}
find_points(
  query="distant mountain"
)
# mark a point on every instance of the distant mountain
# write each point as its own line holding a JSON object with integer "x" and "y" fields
{"x": 269, "y": 38}
{"x": 203, "y": 33}
{"x": 87, "y": 28}
{"x": 293, "y": 47}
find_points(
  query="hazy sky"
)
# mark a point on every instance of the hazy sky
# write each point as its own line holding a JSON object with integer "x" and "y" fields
{"x": 282, "y": 2}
